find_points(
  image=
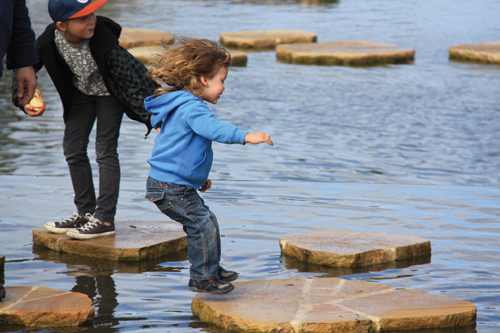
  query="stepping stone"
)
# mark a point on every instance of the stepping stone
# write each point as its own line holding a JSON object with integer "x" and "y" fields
{"x": 142, "y": 37}
{"x": 133, "y": 241}
{"x": 146, "y": 53}
{"x": 42, "y": 306}
{"x": 347, "y": 53}
{"x": 348, "y": 248}
{"x": 328, "y": 305}
{"x": 265, "y": 39}
{"x": 486, "y": 53}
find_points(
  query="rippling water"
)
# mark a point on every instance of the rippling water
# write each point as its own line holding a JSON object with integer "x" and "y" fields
{"x": 399, "y": 148}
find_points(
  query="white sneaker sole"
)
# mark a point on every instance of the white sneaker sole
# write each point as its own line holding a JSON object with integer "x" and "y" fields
{"x": 76, "y": 235}
{"x": 56, "y": 230}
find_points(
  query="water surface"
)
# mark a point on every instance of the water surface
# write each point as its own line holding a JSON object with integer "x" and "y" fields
{"x": 411, "y": 149}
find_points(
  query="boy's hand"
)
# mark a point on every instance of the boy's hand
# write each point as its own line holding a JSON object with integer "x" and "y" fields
{"x": 206, "y": 186}
{"x": 258, "y": 137}
{"x": 31, "y": 111}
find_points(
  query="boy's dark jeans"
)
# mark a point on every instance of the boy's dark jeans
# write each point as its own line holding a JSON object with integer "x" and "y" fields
{"x": 79, "y": 121}
{"x": 183, "y": 204}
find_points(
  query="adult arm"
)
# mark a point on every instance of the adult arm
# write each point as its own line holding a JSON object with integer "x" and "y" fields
{"x": 21, "y": 53}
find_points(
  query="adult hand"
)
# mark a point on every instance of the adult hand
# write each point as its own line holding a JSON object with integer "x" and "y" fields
{"x": 31, "y": 111}
{"x": 25, "y": 76}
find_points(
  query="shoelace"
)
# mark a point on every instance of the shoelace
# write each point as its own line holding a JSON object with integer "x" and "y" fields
{"x": 73, "y": 218}
{"x": 91, "y": 224}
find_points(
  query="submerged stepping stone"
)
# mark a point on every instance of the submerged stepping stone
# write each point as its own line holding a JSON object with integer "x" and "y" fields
{"x": 348, "y": 248}
{"x": 133, "y": 241}
{"x": 147, "y": 53}
{"x": 347, "y": 53}
{"x": 328, "y": 305}
{"x": 486, "y": 53}
{"x": 265, "y": 39}
{"x": 143, "y": 37}
{"x": 42, "y": 306}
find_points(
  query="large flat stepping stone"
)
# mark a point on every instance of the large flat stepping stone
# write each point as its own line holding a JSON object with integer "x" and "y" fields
{"x": 42, "y": 306}
{"x": 143, "y": 37}
{"x": 265, "y": 39}
{"x": 146, "y": 53}
{"x": 346, "y": 53}
{"x": 348, "y": 248}
{"x": 133, "y": 241}
{"x": 486, "y": 53}
{"x": 328, "y": 305}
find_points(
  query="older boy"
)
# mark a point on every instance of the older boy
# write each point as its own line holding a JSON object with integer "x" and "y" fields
{"x": 97, "y": 80}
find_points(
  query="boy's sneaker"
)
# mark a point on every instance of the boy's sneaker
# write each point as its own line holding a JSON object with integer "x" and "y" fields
{"x": 214, "y": 287}
{"x": 92, "y": 229}
{"x": 227, "y": 276}
{"x": 75, "y": 221}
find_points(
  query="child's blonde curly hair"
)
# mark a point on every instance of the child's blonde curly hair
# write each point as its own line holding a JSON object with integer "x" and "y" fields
{"x": 182, "y": 65}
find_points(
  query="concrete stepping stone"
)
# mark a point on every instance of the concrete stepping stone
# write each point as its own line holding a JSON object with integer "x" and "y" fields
{"x": 339, "y": 271}
{"x": 143, "y": 37}
{"x": 486, "y": 53}
{"x": 328, "y": 305}
{"x": 45, "y": 307}
{"x": 348, "y": 248}
{"x": 346, "y": 53}
{"x": 133, "y": 241}
{"x": 265, "y": 39}
{"x": 146, "y": 53}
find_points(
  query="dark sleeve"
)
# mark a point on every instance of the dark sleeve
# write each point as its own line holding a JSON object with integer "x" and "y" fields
{"x": 20, "y": 51}
{"x": 131, "y": 83}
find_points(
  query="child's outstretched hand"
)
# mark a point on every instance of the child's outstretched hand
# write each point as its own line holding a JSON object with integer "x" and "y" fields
{"x": 258, "y": 137}
{"x": 206, "y": 186}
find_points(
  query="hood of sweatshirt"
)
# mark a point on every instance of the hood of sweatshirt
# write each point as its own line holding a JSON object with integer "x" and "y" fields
{"x": 163, "y": 105}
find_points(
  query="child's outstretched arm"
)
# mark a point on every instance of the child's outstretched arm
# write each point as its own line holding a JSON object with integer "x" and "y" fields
{"x": 258, "y": 137}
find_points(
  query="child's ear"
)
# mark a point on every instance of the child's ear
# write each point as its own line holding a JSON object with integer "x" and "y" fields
{"x": 204, "y": 81}
{"x": 61, "y": 26}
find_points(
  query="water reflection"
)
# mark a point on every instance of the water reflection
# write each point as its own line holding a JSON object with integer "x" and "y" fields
{"x": 94, "y": 278}
{"x": 329, "y": 271}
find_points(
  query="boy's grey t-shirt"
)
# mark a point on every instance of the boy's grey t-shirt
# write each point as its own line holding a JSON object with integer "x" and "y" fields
{"x": 87, "y": 77}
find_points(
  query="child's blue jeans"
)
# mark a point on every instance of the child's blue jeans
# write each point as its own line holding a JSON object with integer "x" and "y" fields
{"x": 183, "y": 204}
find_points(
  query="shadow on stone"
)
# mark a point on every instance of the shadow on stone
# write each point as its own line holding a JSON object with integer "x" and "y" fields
{"x": 330, "y": 271}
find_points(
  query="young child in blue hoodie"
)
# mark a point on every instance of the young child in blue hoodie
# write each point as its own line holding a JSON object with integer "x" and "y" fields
{"x": 191, "y": 72}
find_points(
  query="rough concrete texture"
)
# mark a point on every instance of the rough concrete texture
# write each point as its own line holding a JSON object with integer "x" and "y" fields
{"x": 142, "y": 37}
{"x": 147, "y": 53}
{"x": 265, "y": 40}
{"x": 41, "y": 306}
{"x": 348, "y": 248}
{"x": 347, "y": 53}
{"x": 133, "y": 241}
{"x": 486, "y": 53}
{"x": 328, "y": 305}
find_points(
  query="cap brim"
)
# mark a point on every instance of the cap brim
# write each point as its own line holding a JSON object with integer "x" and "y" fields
{"x": 92, "y": 7}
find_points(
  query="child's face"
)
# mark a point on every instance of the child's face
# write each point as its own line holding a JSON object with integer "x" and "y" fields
{"x": 212, "y": 88}
{"x": 77, "y": 29}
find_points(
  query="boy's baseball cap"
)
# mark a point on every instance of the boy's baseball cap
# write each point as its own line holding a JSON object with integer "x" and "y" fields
{"x": 61, "y": 10}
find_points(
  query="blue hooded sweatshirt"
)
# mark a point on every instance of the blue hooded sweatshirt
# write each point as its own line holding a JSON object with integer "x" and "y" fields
{"x": 183, "y": 153}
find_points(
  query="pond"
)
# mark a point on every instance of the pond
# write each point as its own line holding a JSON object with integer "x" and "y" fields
{"x": 411, "y": 149}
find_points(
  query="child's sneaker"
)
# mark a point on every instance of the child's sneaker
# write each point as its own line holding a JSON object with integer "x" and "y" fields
{"x": 75, "y": 221}
{"x": 214, "y": 287}
{"x": 227, "y": 276}
{"x": 92, "y": 229}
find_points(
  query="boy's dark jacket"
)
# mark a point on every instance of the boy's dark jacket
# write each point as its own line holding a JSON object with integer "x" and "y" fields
{"x": 125, "y": 77}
